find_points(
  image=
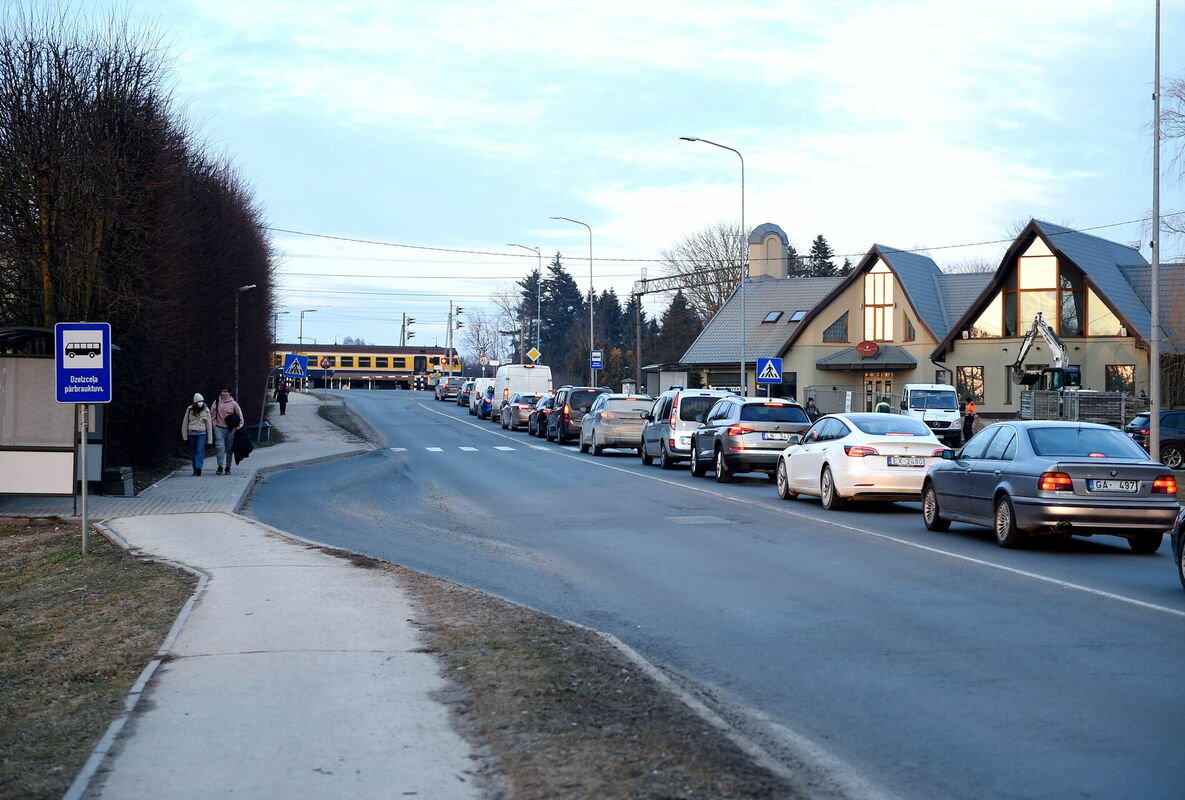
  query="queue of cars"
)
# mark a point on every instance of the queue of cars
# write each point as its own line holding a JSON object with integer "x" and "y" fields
{"x": 1018, "y": 478}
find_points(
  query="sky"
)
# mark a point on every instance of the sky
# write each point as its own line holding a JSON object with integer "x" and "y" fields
{"x": 439, "y": 132}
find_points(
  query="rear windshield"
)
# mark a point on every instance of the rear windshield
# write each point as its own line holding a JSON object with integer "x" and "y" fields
{"x": 943, "y": 400}
{"x": 627, "y": 405}
{"x": 582, "y": 399}
{"x": 1084, "y": 442}
{"x": 774, "y": 412}
{"x": 886, "y": 424}
{"x": 1141, "y": 420}
{"x": 528, "y": 398}
{"x": 695, "y": 409}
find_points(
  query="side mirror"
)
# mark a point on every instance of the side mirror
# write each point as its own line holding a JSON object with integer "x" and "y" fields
{"x": 795, "y": 438}
{"x": 949, "y": 455}
{"x": 902, "y": 405}
{"x": 646, "y": 415}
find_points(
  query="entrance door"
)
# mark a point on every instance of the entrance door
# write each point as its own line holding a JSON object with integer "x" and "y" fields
{"x": 876, "y": 386}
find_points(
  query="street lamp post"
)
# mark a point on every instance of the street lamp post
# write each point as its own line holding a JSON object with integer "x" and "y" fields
{"x": 538, "y": 296}
{"x": 592, "y": 298}
{"x": 242, "y": 289}
{"x": 744, "y": 255}
{"x": 300, "y": 338}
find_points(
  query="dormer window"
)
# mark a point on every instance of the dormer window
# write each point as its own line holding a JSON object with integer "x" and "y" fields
{"x": 797, "y": 316}
{"x": 772, "y": 316}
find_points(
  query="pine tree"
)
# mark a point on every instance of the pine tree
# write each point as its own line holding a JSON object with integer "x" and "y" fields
{"x": 819, "y": 261}
{"x": 847, "y": 268}
{"x": 610, "y": 322}
{"x": 794, "y": 262}
{"x": 531, "y": 303}
{"x": 563, "y": 308}
{"x": 680, "y": 326}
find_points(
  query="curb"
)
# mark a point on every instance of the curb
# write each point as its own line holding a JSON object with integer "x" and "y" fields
{"x": 82, "y": 781}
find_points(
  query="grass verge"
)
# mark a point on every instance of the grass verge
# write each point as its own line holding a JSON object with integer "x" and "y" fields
{"x": 75, "y": 634}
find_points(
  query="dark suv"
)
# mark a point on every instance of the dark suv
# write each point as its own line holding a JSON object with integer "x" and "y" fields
{"x": 571, "y": 404}
{"x": 1172, "y": 436}
{"x": 745, "y": 434}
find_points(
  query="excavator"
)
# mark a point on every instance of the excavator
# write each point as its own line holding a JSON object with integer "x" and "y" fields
{"x": 1061, "y": 376}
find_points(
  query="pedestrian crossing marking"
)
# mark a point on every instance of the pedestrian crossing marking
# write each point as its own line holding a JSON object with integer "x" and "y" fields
{"x": 434, "y": 449}
{"x": 504, "y": 448}
{"x": 468, "y": 449}
{"x": 398, "y": 449}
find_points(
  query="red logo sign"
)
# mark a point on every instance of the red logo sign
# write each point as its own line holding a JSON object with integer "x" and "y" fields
{"x": 868, "y": 348}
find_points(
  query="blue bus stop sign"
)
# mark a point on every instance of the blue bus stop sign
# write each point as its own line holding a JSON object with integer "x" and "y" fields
{"x": 82, "y": 357}
{"x": 596, "y": 359}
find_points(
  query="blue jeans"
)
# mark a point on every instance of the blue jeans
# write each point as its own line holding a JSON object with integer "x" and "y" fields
{"x": 224, "y": 441}
{"x": 197, "y": 449}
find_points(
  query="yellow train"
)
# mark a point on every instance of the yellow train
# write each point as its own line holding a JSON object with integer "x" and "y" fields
{"x": 353, "y": 366}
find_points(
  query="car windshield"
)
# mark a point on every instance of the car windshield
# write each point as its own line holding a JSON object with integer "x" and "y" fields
{"x": 582, "y": 399}
{"x": 890, "y": 425}
{"x": 1084, "y": 443}
{"x": 940, "y": 399}
{"x": 695, "y": 409}
{"x": 772, "y": 412}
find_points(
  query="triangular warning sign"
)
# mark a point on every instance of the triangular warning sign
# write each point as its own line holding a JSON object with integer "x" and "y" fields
{"x": 769, "y": 372}
{"x": 294, "y": 370}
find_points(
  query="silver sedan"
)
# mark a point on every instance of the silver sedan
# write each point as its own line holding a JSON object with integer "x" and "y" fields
{"x": 1029, "y": 477}
{"x": 614, "y": 420}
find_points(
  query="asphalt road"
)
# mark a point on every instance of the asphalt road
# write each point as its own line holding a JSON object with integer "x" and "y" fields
{"x": 898, "y": 661}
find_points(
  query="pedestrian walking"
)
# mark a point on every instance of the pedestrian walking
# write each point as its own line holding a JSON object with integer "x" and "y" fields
{"x": 883, "y": 406}
{"x": 227, "y": 418}
{"x": 812, "y": 410}
{"x": 969, "y": 413}
{"x": 282, "y": 397}
{"x": 196, "y": 430}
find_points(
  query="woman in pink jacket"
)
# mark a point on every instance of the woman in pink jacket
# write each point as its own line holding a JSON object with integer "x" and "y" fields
{"x": 227, "y": 418}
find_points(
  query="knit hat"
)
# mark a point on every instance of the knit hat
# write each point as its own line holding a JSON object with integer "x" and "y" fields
{"x": 197, "y": 398}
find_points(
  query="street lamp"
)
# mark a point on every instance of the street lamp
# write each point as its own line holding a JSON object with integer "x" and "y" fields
{"x": 242, "y": 289}
{"x": 592, "y": 373}
{"x": 744, "y": 256}
{"x": 538, "y": 295}
{"x": 300, "y": 338}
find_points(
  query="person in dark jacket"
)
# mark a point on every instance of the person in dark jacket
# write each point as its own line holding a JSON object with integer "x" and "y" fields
{"x": 812, "y": 410}
{"x": 282, "y": 397}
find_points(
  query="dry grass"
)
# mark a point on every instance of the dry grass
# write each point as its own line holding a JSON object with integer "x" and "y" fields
{"x": 75, "y": 633}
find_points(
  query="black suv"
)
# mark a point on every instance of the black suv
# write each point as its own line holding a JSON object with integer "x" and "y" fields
{"x": 571, "y": 404}
{"x": 1172, "y": 436}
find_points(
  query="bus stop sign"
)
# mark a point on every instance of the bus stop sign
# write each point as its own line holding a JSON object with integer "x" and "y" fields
{"x": 82, "y": 357}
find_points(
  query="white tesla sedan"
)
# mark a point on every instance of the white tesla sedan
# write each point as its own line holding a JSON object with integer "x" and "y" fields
{"x": 846, "y": 457}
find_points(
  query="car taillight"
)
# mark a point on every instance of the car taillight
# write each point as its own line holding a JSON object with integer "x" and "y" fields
{"x": 674, "y": 414}
{"x": 606, "y": 415}
{"x": 937, "y": 453}
{"x": 567, "y": 413}
{"x": 738, "y": 430}
{"x": 1143, "y": 431}
{"x": 859, "y": 450}
{"x": 525, "y": 408}
{"x": 1055, "y": 482}
{"x": 1165, "y": 484}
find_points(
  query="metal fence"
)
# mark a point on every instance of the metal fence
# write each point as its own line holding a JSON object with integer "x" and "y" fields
{"x": 837, "y": 399}
{"x": 1109, "y": 408}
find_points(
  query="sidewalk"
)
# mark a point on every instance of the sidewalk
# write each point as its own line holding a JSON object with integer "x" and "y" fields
{"x": 293, "y": 673}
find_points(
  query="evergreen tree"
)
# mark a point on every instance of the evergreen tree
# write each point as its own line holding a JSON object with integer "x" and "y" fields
{"x": 819, "y": 261}
{"x": 530, "y": 304}
{"x": 794, "y": 262}
{"x": 847, "y": 268}
{"x": 563, "y": 307}
{"x": 680, "y": 326}
{"x": 611, "y": 330}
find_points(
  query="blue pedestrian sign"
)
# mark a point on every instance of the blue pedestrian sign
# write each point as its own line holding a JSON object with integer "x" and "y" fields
{"x": 296, "y": 366}
{"x": 82, "y": 356}
{"x": 769, "y": 370}
{"x": 596, "y": 359}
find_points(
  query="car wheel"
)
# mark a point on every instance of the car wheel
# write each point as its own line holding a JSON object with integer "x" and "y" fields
{"x": 664, "y": 458}
{"x": 1007, "y": 534}
{"x": 1145, "y": 543}
{"x": 583, "y": 445}
{"x": 647, "y": 459}
{"x": 723, "y": 473}
{"x": 930, "y": 513}
{"x": 559, "y": 436}
{"x": 698, "y": 468}
{"x": 597, "y": 450}
{"x": 827, "y": 492}
{"x": 1172, "y": 456}
{"x": 784, "y": 490}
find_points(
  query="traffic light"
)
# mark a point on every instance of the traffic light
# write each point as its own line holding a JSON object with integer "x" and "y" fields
{"x": 460, "y": 324}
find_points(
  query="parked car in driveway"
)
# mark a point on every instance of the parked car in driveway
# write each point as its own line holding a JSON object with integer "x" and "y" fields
{"x": 1032, "y": 477}
{"x": 537, "y": 421}
{"x": 518, "y": 408}
{"x": 745, "y": 434}
{"x": 1178, "y": 540}
{"x": 859, "y": 457}
{"x": 614, "y": 420}
{"x": 675, "y": 414}
{"x": 571, "y": 404}
{"x": 1172, "y": 436}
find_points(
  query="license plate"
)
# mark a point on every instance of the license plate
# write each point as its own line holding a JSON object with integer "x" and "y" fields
{"x": 906, "y": 461}
{"x": 781, "y": 437}
{"x": 1113, "y": 486}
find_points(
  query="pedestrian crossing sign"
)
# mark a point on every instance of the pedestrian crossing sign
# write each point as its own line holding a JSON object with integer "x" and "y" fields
{"x": 296, "y": 366}
{"x": 769, "y": 370}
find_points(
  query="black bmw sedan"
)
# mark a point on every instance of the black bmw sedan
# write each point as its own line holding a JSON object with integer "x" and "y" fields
{"x": 1031, "y": 477}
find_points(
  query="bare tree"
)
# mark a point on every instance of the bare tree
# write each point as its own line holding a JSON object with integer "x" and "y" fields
{"x": 1172, "y": 131}
{"x": 969, "y": 265}
{"x": 710, "y": 261}
{"x": 480, "y": 336}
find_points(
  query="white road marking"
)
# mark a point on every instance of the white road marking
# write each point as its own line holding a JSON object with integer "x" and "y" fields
{"x": 398, "y": 449}
{"x": 851, "y": 528}
{"x": 468, "y": 449}
{"x": 434, "y": 449}
{"x": 510, "y": 449}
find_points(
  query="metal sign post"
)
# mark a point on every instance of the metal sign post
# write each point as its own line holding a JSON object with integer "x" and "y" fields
{"x": 82, "y": 360}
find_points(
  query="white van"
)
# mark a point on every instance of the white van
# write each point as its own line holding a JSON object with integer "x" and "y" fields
{"x": 479, "y": 389}
{"x": 937, "y": 405}
{"x": 512, "y": 378}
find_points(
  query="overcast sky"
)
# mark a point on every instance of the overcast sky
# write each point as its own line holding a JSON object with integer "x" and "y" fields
{"x": 465, "y": 125}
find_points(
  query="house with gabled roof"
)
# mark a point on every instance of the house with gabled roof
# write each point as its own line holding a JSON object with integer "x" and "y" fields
{"x": 1096, "y": 295}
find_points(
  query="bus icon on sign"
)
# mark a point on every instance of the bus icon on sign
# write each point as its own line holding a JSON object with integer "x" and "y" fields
{"x": 89, "y": 349}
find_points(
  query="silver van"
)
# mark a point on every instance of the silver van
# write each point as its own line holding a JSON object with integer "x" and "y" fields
{"x": 669, "y": 424}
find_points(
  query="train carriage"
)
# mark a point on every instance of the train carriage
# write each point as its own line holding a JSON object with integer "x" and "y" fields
{"x": 341, "y": 366}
